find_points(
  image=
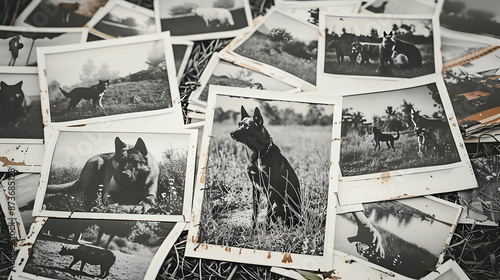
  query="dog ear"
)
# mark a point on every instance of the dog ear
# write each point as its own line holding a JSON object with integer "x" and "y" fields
{"x": 141, "y": 146}
{"x": 257, "y": 117}
{"x": 244, "y": 113}
{"x": 119, "y": 144}
{"x": 2, "y": 84}
{"x": 385, "y": 34}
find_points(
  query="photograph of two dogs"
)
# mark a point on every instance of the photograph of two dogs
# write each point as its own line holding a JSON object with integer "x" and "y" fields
{"x": 395, "y": 130}
{"x": 392, "y": 48}
{"x": 266, "y": 180}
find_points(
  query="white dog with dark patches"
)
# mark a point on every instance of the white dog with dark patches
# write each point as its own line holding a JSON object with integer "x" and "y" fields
{"x": 214, "y": 16}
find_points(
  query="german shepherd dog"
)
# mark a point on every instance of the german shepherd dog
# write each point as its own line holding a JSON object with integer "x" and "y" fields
{"x": 269, "y": 171}
{"x": 129, "y": 176}
{"x": 438, "y": 131}
{"x": 383, "y": 137}
{"x": 92, "y": 255}
{"x": 381, "y": 53}
{"x": 94, "y": 93}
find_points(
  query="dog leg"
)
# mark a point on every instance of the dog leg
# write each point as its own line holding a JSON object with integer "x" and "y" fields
{"x": 255, "y": 205}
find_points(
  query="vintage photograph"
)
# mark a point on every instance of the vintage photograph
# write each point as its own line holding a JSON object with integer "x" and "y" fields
{"x": 57, "y": 13}
{"x": 406, "y": 236}
{"x": 20, "y": 109}
{"x": 474, "y": 88}
{"x": 182, "y": 51}
{"x": 20, "y": 193}
{"x": 122, "y": 19}
{"x": 105, "y": 249}
{"x": 372, "y": 46}
{"x": 102, "y": 80}
{"x": 223, "y": 73}
{"x": 413, "y": 7}
{"x": 267, "y": 178}
{"x": 109, "y": 174}
{"x": 203, "y": 19}
{"x": 471, "y": 16}
{"x": 395, "y": 130}
{"x": 311, "y": 15}
{"x": 18, "y": 44}
{"x": 283, "y": 42}
{"x": 481, "y": 205}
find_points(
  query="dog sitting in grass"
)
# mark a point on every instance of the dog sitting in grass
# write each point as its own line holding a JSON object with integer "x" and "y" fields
{"x": 269, "y": 171}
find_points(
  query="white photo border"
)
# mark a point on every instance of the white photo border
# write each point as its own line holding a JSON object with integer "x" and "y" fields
{"x": 110, "y": 5}
{"x": 261, "y": 257}
{"x": 189, "y": 48}
{"x": 228, "y": 54}
{"x": 25, "y": 252}
{"x": 188, "y": 187}
{"x": 175, "y": 112}
{"x": 416, "y": 181}
{"x": 438, "y": 65}
{"x": 449, "y": 265}
{"x": 211, "y": 35}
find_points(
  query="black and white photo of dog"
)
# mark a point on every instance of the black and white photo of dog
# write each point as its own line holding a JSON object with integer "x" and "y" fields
{"x": 118, "y": 84}
{"x": 411, "y": 122}
{"x": 395, "y": 48}
{"x": 203, "y": 19}
{"x": 64, "y": 256}
{"x": 268, "y": 174}
{"x": 121, "y": 173}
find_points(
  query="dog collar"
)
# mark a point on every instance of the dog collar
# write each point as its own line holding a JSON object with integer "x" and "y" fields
{"x": 267, "y": 150}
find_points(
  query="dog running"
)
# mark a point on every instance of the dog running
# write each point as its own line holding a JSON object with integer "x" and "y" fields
{"x": 269, "y": 171}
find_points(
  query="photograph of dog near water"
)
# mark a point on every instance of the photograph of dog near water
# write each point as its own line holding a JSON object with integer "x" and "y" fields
{"x": 267, "y": 181}
{"x": 395, "y": 130}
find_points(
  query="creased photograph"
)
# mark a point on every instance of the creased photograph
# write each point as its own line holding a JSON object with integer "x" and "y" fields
{"x": 118, "y": 175}
{"x": 267, "y": 179}
{"x": 89, "y": 249}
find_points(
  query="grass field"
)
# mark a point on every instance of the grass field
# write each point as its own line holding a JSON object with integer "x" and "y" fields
{"x": 227, "y": 202}
{"x": 358, "y": 156}
{"x": 332, "y": 66}
{"x": 120, "y": 98}
{"x": 258, "y": 48}
{"x": 30, "y": 127}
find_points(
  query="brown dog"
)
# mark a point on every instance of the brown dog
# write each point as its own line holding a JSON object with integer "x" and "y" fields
{"x": 268, "y": 170}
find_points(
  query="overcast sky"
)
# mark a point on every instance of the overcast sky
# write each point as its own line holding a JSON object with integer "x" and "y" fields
{"x": 375, "y": 103}
{"x": 298, "y": 29}
{"x": 165, "y": 6}
{"x": 66, "y": 67}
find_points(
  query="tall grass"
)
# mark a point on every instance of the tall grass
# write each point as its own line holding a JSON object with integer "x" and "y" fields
{"x": 226, "y": 217}
{"x": 358, "y": 156}
{"x": 259, "y": 47}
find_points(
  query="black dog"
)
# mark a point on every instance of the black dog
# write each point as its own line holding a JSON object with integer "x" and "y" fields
{"x": 94, "y": 93}
{"x": 269, "y": 170}
{"x": 383, "y": 137}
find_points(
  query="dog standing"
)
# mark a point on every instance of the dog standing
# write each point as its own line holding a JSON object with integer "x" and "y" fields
{"x": 383, "y": 137}
{"x": 268, "y": 170}
{"x": 438, "y": 131}
{"x": 92, "y": 255}
{"x": 94, "y": 93}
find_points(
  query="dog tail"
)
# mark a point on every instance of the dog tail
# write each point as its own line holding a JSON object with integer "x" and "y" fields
{"x": 61, "y": 187}
{"x": 65, "y": 93}
{"x": 397, "y": 137}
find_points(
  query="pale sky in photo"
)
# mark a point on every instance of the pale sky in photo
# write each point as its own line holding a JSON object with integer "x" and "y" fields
{"x": 123, "y": 13}
{"x": 375, "y": 103}
{"x": 75, "y": 148}
{"x": 66, "y": 67}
